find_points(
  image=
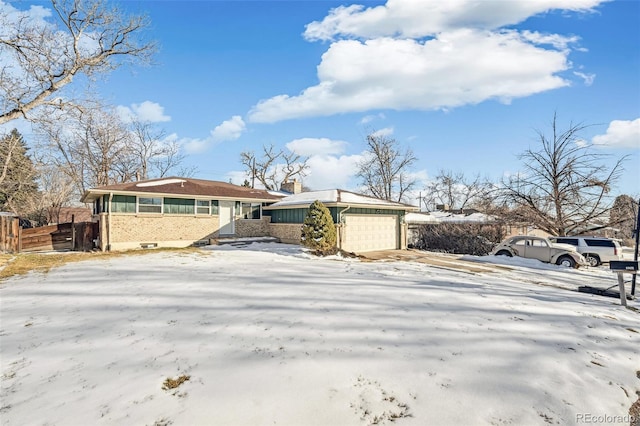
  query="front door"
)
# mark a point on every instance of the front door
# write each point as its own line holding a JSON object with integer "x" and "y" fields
{"x": 226, "y": 218}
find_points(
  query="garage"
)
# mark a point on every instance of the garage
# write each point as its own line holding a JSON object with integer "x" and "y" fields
{"x": 363, "y": 223}
{"x": 362, "y": 233}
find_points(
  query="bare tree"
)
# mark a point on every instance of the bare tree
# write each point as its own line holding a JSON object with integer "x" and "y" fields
{"x": 90, "y": 145}
{"x": 88, "y": 37}
{"x": 385, "y": 168}
{"x": 155, "y": 156}
{"x": 563, "y": 188}
{"x": 57, "y": 191}
{"x": 623, "y": 216}
{"x": 456, "y": 190}
{"x": 274, "y": 167}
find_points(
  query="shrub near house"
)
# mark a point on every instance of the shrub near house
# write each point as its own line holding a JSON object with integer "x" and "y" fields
{"x": 318, "y": 229}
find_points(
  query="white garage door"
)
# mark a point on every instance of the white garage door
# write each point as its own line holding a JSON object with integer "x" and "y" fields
{"x": 370, "y": 232}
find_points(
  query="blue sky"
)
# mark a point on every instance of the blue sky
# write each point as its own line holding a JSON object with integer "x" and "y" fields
{"x": 464, "y": 84}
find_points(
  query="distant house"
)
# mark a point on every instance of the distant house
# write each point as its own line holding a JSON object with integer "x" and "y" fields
{"x": 176, "y": 212}
{"x": 364, "y": 223}
{"x": 68, "y": 214}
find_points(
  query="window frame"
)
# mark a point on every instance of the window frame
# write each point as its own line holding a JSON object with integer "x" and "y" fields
{"x": 198, "y": 207}
{"x": 252, "y": 206}
{"x": 123, "y": 204}
{"x": 179, "y": 206}
{"x": 139, "y": 204}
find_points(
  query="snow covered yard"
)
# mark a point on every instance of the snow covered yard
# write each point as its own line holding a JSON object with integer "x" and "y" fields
{"x": 270, "y": 335}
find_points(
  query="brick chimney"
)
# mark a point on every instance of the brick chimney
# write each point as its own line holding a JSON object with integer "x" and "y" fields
{"x": 294, "y": 187}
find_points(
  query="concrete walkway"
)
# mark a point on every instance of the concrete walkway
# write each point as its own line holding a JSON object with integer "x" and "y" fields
{"x": 439, "y": 260}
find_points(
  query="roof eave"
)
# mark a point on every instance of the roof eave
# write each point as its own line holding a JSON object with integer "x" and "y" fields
{"x": 93, "y": 194}
{"x": 343, "y": 204}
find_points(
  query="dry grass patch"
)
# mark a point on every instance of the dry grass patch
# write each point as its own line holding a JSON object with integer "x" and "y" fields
{"x": 23, "y": 263}
{"x": 174, "y": 383}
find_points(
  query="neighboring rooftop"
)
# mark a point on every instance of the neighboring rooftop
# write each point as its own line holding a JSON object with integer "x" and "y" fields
{"x": 444, "y": 216}
{"x": 182, "y": 187}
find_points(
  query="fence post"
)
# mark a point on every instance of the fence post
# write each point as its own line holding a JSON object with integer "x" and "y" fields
{"x": 17, "y": 235}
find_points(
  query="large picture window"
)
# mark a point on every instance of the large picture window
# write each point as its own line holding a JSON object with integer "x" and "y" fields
{"x": 149, "y": 205}
{"x": 178, "y": 206}
{"x": 250, "y": 210}
{"x": 123, "y": 204}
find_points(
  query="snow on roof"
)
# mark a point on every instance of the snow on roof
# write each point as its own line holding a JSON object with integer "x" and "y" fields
{"x": 159, "y": 182}
{"x": 328, "y": 196}
{"x": 332, "y": 196}
{"x": 439, "y": 217}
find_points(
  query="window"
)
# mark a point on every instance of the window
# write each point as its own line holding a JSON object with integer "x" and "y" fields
{"x": 123, "y": 204}
{"x": 250, "y": 211}
{"x": 149, "y": 205}
{"x": 572, "y": 241}
{"x": 539, "y": 243}
{"x": 214, "y": 207}
{"x": 600, "y": 243}
{"x": 203, "y": 207}
{"x": 179, "y": 205}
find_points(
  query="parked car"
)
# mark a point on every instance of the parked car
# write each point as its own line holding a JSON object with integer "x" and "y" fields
{"x": 542, "y": 249}
{"x": 597, "y": 250}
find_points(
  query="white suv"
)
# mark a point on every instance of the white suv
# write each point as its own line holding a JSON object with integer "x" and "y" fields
{"x": 596, "y": 250}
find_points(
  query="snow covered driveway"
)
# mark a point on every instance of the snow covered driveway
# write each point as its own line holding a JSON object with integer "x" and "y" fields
{"x": 269, "y": 335}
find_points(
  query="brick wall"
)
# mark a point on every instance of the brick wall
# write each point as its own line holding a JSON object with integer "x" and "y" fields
{"x": 289, "y": 233}
{"x": 130, "y": 230}
{"x": 252, "y": 227}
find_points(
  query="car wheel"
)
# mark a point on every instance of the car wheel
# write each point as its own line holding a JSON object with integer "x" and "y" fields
{"x": 566, "y": 261}
{"x": 592, "y": 259}
{"x": 504, "y": 253}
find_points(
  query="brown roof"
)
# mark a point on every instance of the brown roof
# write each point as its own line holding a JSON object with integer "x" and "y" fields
{"x": 182, "y": 187}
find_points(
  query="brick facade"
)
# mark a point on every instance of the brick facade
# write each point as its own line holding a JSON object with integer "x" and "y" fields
{"x": 289, "y": 233}
{"x": 252, "y": 227}
{"x": 130, "y": 231}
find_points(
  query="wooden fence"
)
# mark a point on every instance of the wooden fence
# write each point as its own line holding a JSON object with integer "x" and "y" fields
{"x": 9, "y": 234}
{"x": 52, "y": 237}
{"x": 64, "y": 236}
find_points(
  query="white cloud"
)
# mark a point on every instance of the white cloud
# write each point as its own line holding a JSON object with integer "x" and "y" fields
{"x": 194, "y": 145}
{"x": 387, "y": 131}
{"x": 229, "y": 130}
{"x": 588, "y": 78}
{"x": 316, "y": 146}
{"x": 330, "y": 171}
{"x": 237, "y": 177}
{"x": 620, "y": 134}
{"x": 407, "y": 74}
{"x": 422, "y": 18}
{"x": 369, "y": 118}
{"x": 146, "y": 112}
{"x": 558, "y": 41}
{"x": 36, "y": 14}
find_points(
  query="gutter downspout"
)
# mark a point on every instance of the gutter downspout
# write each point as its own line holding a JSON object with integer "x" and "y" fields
{"x": 342, "y": 225}
{"x": 108, "y": 245}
